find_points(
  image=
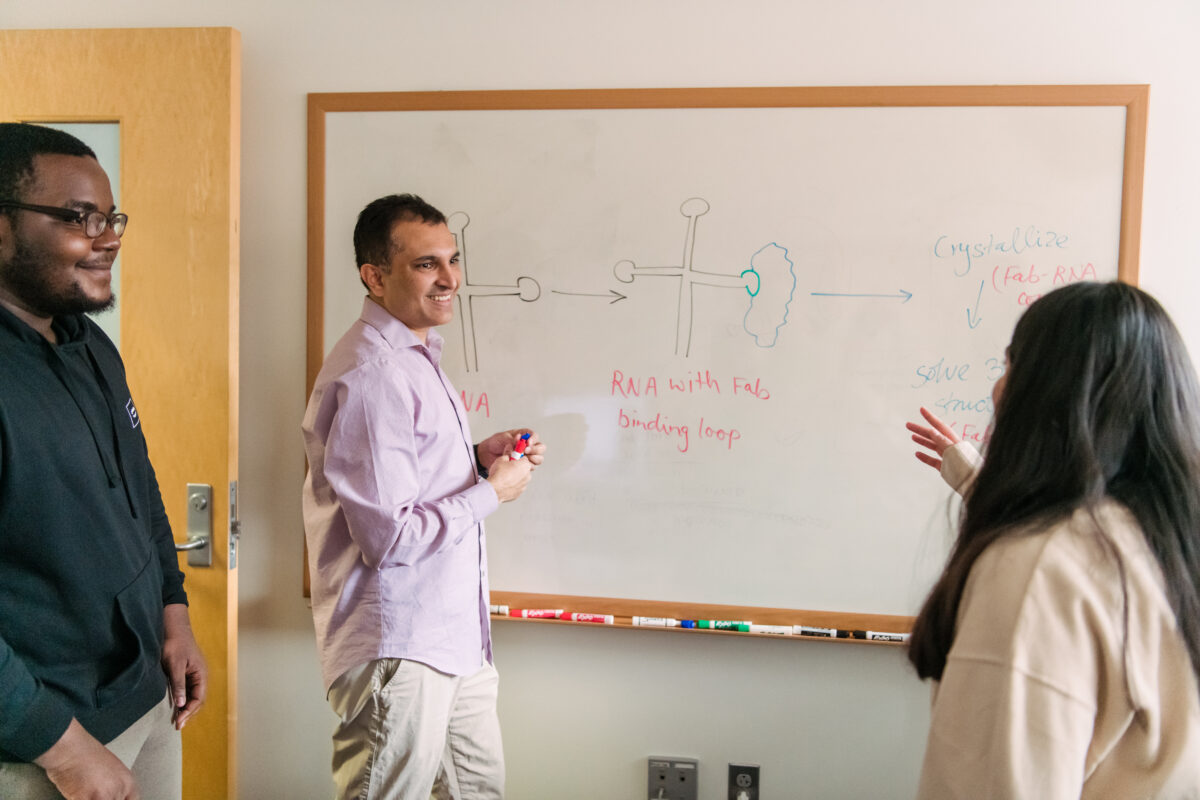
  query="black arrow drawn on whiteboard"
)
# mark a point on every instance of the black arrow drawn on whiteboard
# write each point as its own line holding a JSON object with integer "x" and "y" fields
{"x": 973, "y": 320}
{"x": 616, "y": 296}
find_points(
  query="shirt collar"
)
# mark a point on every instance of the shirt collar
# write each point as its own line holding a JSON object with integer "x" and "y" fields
{"x": 396, "y": 333}
{"x": 69, "y": 328}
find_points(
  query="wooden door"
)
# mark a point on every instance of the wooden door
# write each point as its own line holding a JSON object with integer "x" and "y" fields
{"x": 175, "y": 94}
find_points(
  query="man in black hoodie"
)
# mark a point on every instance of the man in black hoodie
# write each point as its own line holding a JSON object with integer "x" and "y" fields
{"x": 98, "y": 666}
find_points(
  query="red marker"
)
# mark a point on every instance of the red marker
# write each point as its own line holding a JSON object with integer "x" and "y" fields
{"x": 535, "y": 613}
{"x": 519, "y": 450}
{"x": 601, "y": 619}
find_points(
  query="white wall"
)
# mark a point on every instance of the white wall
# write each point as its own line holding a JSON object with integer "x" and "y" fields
{"x": 582, "y": 709}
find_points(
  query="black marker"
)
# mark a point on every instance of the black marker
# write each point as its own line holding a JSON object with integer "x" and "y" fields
{"x": 805, "y": 630}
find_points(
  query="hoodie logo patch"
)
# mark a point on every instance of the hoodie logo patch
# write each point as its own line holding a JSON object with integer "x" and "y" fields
{"x": 132, "y": 412}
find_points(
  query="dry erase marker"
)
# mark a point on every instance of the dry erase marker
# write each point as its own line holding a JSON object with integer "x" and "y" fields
{"x": 857, "y": 634}
{"x": 601, "y": 619}
{"x": 502, "y": 610}
{"x": 777, "y": 630}
{"x": 805, "y": 630}
{"x": 519, "y": 450}
{"x": 886, "y": 637}
{"x": 721, "y": 624}
{"x": 656, "y": 622}
{"x": 535, "y": 613}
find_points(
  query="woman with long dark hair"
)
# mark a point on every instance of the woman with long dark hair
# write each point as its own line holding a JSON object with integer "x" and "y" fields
{"x": 1064, "y": 632}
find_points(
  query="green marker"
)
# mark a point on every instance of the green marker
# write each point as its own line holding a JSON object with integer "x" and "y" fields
{"x": 721, "y": 624}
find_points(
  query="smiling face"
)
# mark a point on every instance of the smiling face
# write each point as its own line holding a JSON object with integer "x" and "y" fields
{"x": 418, "y": 284}
{"x": 48, "y": 266}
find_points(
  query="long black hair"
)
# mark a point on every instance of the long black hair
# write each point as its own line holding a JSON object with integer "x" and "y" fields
{"x": 1100, "y": 400}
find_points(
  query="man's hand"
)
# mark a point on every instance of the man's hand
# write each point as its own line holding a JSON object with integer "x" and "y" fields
{"x": 936, "y": 438}
{"x": 509, "y": 478}
{"x": 502, "y": 444}
{"x": 184, "y": 664}
{"x": 83, "y": 769}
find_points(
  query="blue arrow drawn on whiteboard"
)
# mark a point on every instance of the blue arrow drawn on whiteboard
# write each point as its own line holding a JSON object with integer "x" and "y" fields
{"x": 972, "y": 321}
{"x": 906, "y": 295}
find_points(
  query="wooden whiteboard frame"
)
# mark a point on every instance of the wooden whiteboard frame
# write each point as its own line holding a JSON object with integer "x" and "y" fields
{"x": 1134, "y": 98}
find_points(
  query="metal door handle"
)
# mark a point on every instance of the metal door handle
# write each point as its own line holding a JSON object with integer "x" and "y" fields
{"x": 199, "y": 525}
{"x": 193, "y": 543}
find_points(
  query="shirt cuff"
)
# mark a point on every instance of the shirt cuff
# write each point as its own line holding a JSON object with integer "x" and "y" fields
{"x": 960, "y": 463}
{"x": 46, "y": 720}
{"x": 482, "y": 499}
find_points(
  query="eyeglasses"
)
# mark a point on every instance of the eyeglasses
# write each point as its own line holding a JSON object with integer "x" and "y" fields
{"x": 94, "y": 222}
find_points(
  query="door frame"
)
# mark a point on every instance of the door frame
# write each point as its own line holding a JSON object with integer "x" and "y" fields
{"x": 176, "y": 94}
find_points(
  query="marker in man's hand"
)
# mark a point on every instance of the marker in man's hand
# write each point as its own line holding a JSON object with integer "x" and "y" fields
{"x": 519, "y": 451}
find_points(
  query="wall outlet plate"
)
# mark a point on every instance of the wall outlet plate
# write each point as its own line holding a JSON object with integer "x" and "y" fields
{"x": 672, "y": 778}
{"x": 743, "y": 782}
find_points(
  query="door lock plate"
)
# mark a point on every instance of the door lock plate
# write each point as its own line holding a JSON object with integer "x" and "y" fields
{"x": 199, "y": 525}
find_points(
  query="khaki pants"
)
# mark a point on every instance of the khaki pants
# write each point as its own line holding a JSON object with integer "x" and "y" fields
{"x": 409, "y": 732}
{"x": 150, "y": 747}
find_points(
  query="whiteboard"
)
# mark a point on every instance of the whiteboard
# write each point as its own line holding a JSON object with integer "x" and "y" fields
{"x": 719, "y": 319}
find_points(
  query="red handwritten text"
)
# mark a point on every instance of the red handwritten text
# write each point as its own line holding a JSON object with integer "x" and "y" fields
{"x": 476, "y": 403}
{"x": 700, "y": 381}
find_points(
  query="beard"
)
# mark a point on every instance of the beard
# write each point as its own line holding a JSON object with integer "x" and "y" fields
{"x": 27, "y": 277}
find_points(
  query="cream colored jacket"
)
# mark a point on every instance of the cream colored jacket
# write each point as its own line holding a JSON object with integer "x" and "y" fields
{"x": 1047, "y": 692}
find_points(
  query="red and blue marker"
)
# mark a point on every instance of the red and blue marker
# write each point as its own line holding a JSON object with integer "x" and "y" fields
{"x": 519, "y": 449}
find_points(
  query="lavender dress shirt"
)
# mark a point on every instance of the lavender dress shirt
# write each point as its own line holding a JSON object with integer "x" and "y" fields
{"x": 394, "y": 506}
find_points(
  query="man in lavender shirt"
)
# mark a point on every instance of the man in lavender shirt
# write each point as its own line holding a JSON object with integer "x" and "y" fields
{"x": 394, "y": 503}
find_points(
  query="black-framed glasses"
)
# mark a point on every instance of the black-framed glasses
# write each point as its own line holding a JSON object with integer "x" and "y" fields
{"x": 94, "y": 222}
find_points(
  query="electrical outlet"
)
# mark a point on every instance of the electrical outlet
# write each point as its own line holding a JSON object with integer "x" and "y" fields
{"x": 743, "y": 782}
{"x": 671, "y": 778}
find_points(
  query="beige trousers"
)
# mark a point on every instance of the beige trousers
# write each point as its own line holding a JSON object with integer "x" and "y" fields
{"x": 409, "y": 732}
{"x": 150, "y": 747}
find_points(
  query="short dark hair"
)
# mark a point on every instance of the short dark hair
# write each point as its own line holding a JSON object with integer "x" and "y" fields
{"x": 373, "y": 231}
{"x": 20, "y": 142}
